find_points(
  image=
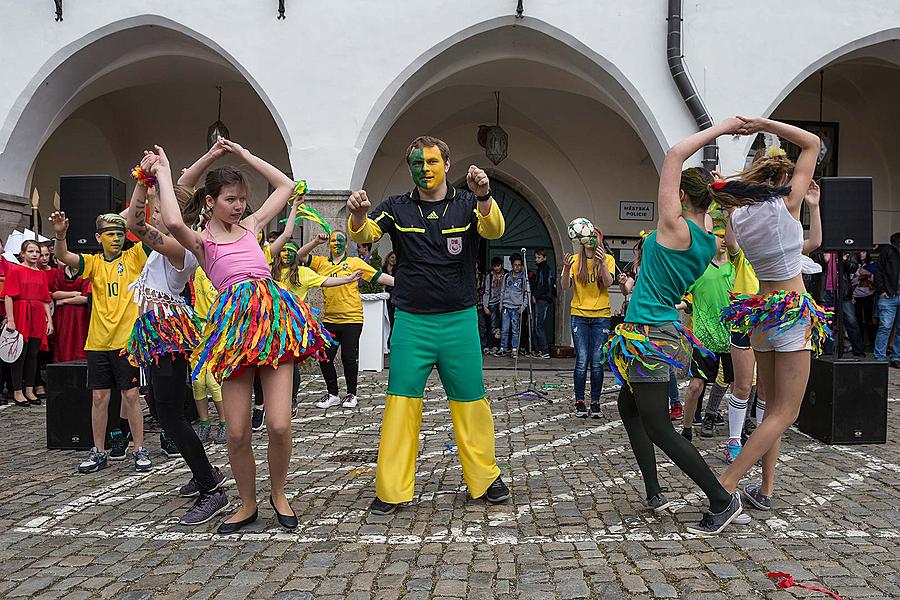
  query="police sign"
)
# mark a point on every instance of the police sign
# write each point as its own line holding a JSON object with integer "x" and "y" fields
{"x": 636, "y": 211}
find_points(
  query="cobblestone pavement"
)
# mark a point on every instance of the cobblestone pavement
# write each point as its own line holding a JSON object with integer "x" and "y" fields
{"x": 575, "y": 528}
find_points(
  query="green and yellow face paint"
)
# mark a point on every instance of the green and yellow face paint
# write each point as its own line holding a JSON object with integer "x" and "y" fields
{"x": 338, "y": 244}
{"x": 288, "y": 254}
{"x": 427, "y": 167}
{"x": 112, "y": 239}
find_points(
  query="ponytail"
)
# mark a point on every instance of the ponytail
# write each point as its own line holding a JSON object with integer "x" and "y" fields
{"x": 190, "y": 203}
{"x": 734, "y": 193}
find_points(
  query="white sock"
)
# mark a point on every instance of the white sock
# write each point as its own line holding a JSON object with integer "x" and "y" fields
{"x": 760, "y": 409}
{"x": 737, "y": 411}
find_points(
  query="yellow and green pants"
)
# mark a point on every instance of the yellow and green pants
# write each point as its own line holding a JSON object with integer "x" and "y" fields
{"x": 450, "y": 342}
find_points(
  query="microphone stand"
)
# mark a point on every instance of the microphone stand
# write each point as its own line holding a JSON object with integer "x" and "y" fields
{"x": 531, "y": 390}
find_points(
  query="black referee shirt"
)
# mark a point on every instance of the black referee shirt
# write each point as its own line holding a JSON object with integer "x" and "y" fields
{"x": 436, "y": 244}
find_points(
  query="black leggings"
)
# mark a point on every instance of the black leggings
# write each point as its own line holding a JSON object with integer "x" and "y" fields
{"x": 258, "y": 389}
{"x": 645, "y": 414}
{"x": 170, "y": 389}
{"x": 347, "y": 335}
{"x": 25, "y": 367}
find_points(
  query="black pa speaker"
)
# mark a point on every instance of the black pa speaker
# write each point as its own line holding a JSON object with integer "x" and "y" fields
{"x": 69, "y": 407}
{"x": 846, "y": 210}
{"x": 83, "y": 198}
{"x": 846, "y": 401}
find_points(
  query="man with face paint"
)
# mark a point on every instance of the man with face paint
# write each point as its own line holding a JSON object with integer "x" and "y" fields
{"x": 343, "y": 314}
{"x": 435, "y": 230}
{"x": 113, "y": 313}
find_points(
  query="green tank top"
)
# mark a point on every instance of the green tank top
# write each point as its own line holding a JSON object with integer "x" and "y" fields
{"x": 665, "y": 276}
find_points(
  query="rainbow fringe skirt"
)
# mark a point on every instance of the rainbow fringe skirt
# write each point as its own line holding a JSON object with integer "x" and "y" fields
{"x": 258, "y": 323}
{"x": 779, "y": 310}
{"x": 631, "y": 344}
{"x": 172, "y": 329}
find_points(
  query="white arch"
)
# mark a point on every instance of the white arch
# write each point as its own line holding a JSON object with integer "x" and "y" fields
{"x": 54, "y": 91}
{"x": 829, "y": 58}
{"x": 576, "y": 57}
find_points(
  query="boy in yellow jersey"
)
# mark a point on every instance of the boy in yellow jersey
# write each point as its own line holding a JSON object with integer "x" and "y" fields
{"x": 343, "y": 315}
{"x": 206, "y": 386}
{"x": 435, "y": 230}
{"x": 113, "y": 313}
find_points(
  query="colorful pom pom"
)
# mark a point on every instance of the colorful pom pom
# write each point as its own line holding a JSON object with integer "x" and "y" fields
{"x": 142, "y": 178}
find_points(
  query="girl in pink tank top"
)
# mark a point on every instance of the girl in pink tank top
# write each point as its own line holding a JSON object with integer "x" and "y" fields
{"x": 254, "y": 323}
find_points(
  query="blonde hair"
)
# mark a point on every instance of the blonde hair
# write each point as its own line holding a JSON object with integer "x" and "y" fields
{"x": 111, "y": 219}
{"x": 582, "y": 275}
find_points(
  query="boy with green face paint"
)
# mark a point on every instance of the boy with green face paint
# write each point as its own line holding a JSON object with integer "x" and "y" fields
{"x": 113, "y": 313}
{"x": 435, "y": 230}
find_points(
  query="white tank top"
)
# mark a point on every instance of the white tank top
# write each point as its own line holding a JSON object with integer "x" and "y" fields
{"x": 160, "y": 283}
{"x": 771, "y": 238}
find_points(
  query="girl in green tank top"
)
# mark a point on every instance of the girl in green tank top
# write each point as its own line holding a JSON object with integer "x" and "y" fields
{"x": 652, "y": 338}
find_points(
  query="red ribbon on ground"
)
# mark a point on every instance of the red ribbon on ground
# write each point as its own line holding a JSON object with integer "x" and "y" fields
{"x": 785, "y": 580}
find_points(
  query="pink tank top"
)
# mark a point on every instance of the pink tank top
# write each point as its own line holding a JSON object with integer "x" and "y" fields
{"x": 235, "y": 262}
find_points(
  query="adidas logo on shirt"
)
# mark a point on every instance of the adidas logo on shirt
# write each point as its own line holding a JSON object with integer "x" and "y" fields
{"x": 432, "y": 215}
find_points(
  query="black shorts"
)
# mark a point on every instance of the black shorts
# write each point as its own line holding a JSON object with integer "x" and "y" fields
{"x": 740, "y": 340}
{"x": 706, "y": 368}
{"x": 107, "y": 369}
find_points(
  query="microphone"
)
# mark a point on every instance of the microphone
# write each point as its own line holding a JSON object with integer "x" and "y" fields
{"x": 523, "y": 252}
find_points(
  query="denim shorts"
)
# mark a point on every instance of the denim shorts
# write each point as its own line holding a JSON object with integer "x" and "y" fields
{"x": 672, "y": 342}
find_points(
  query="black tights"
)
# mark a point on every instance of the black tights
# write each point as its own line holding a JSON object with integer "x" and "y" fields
{"x": 25, "y": 367}
{"x": 645, "y": 414}
{"x": 347, "y": 335}
{"x": 169, "y": 379}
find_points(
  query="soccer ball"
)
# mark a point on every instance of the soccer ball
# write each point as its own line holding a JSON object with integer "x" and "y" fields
{"x": 581, "y": 230}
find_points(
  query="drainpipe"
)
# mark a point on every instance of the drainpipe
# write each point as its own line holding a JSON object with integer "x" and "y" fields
{"x": 685, "y": 85}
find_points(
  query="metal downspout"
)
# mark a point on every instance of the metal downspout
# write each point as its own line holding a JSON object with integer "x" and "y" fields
{"x": 685, "y": 85}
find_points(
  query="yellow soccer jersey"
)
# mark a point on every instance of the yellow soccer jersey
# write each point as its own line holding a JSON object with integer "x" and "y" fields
{"x": 113, "y": 310}
{"x": 204, "y": 294}
{"x": 588, "y": 300}
{"x": 308, "y": 279}
{"x": 342, "y": 302}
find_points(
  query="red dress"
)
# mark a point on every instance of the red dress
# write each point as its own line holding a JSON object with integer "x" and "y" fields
{"x": 70, "y": 321}
{"x": 29, "y": 291}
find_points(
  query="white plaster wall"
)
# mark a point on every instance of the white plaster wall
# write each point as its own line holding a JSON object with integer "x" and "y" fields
{"x": 323, "y": 70}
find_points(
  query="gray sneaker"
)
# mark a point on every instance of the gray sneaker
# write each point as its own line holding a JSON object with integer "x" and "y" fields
{"x": 221, "y": 433}
{"x": 191, "y": 489}
{"x": 658, "y": 503}
{"x": 203, "y": 432}
{"x": 715, "y": 523}
{"x": 754, "y": 497}
{"x": 96, "y": 460}
{"x": 141, "y": 459}
{"x": 205, "y": 508}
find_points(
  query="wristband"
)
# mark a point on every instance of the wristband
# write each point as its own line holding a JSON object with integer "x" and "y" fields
{"x": 485, "y": 197}
{"x": 142, "y": 178}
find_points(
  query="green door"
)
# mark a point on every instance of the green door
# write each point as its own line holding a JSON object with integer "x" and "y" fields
{"x": 524, "y": 229}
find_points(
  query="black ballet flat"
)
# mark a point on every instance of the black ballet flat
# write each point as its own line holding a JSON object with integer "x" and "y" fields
{"x": 227, "y": 528}
{"x": 286, "y": 521}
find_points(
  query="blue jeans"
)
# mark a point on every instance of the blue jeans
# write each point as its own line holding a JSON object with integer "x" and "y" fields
{"x": 589, "y": 335}
{"x": 887, "y": 315}
{"x": 493, "y": 324}
{"x": 673, "y": 388}
{"x": 512, "y": 320}
{"x": 851, "y": 325}
{"x": 541, "y": 308}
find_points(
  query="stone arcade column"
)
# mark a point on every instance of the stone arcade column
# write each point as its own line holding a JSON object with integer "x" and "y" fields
{"x": 14, "y": 213}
